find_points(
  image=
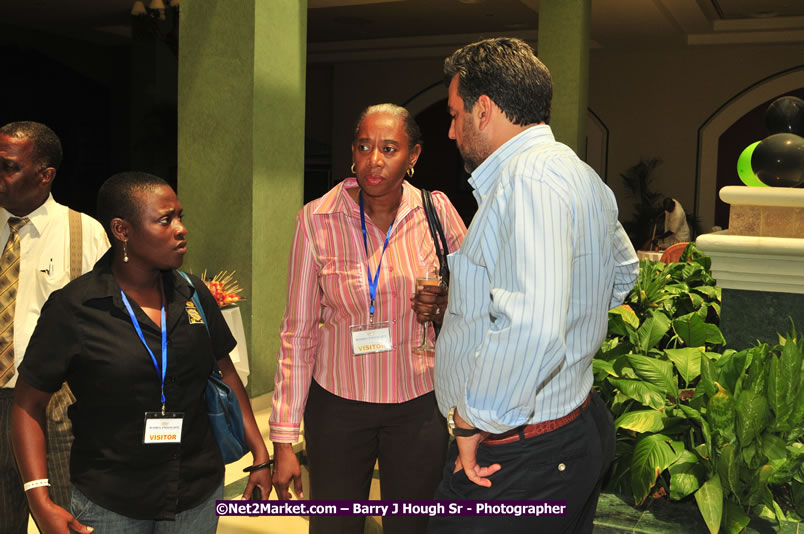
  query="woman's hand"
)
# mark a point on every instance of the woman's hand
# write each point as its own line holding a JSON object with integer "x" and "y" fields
{"x": 286, "y": 469}
{"x": 430, "y": 303}
{"x": 261, "y": 478}
{"x": 53, "y": 519}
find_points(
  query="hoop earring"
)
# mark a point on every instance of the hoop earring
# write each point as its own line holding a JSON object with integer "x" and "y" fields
{"x": 352, "y": 168}
{"x": 125, "y": 253}
{"x": 410, "y": 172}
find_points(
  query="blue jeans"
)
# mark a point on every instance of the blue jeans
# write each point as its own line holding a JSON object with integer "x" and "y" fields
{"x": 199, "y": 520}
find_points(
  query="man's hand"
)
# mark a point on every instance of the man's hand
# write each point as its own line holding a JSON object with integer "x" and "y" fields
{"x": 53, "y": 519}
{"x": 286, "y": 468}
{"x": 467, "y": 456}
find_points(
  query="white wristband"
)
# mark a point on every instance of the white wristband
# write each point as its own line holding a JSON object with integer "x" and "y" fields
{"x": 36, "y": 484}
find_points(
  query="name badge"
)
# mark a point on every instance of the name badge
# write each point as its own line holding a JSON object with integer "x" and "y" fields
{"x": 163, "y": 428}
{"x": 371, "y": 338}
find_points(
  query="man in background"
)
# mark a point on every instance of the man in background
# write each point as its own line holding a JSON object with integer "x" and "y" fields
{"x": 676, "y": 229}
{"x": 542, "y": 263}
{"x": 46, "y": 245}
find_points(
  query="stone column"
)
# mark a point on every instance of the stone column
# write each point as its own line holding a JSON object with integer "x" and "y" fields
{"x": 241, "y": 153}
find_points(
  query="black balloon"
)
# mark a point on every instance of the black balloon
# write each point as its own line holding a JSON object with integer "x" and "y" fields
{"x": 778, "y": 160}
{"x": 785, "y": 115}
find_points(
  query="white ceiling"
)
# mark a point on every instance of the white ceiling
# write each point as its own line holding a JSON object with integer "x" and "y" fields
{"x": 614, "y": 23}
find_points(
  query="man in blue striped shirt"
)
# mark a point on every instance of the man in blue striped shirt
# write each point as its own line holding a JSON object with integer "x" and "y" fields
{"x": 542, "y": 263}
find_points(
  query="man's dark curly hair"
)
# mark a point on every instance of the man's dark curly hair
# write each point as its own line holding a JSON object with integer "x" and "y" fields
{"x": 507, "y": 71}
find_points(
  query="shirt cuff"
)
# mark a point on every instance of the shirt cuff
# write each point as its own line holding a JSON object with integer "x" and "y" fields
{"x": 284, "y": 433}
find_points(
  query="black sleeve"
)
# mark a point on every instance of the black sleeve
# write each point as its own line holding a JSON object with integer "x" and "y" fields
{"x": 222, "y": 339}
{"x": 53, "y": 345}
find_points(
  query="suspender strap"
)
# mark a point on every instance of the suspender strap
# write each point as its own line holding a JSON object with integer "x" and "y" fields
{"x": 75, "y": 244}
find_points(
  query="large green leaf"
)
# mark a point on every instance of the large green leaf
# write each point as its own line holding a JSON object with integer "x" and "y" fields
{"x": 652, "y": 330}
{"x": 643, "y": 392}
{"x": 657, "y": 372}
{"x": 652, "y": 455}
{"x": 710, "y": 503}
{"x": 757, "y": 372}
{"x": 685, "y": 475}
{"x": 752, "y": 416}
{"x": 708, "y": 291}
{"x": 687, "y": 360}
{"x": 734, "y": 518}
{"x": 721, "y": 414}
{"x": 780, "y": 391}
{"x": 732, "y": 369}
{"x": 708, "y": 376}
{"x": 773, "y": 447}
{"x": 695, "y": 332}
{"x": 599, "y": 365}
{"x": 627, "y": 313}
{"x": 641, "y": 421}
{"x": 728, "y": 469}
{"x": 695, "y": 300}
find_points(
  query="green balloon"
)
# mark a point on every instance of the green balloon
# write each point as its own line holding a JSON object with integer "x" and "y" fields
{"x": 744, "y": 170}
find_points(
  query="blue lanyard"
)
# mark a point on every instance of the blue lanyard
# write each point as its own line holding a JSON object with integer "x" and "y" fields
{"x": 142, "y": 338}
{"x": 372, "y": 283}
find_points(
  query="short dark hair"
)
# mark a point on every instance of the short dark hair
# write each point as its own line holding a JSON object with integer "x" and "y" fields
{"x": 117, "y": 197}
{"x": 507, "y": 71}
{"x": 411, "y": 127}
{"x": 46, "y": 144}
{"x": 669, "y": 204}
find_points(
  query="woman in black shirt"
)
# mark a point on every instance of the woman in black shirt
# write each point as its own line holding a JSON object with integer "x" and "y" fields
{"x": 127, "y": 339}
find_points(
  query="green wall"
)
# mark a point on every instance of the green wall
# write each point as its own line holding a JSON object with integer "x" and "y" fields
{"x": 564, "y": 48}
{"x": 241, "y": 153}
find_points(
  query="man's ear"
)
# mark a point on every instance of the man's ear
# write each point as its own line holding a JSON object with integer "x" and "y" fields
{"x": 47, "y": 174}
{"x": 483, "y": 111}
{"x": 120, "y": 229}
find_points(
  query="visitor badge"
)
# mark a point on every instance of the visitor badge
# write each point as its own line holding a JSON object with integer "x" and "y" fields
{"x": 371, "y": 338}
{"x": 163, "y": 428}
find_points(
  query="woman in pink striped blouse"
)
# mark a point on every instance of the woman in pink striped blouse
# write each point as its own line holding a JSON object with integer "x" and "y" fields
{"x": 346, "y": 360}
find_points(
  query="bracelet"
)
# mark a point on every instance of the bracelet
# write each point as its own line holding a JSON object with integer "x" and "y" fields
{"x": 251, "y": 468}
{"x": 35, "y": 484}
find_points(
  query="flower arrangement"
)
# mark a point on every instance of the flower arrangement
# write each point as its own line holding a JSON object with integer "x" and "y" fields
{"x": 224, "y": 288}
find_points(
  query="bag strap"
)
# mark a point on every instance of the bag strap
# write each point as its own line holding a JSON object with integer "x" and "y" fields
{"x": 75, "y": 243}
{"x": 437, "y": 231}
{"x": 200, "y": 309}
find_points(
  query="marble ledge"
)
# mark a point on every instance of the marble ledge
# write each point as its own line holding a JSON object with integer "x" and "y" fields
{"x": 741, "y": 195}
{"x": 755, "y": 263}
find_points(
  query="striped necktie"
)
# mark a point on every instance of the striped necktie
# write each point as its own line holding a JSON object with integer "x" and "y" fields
{"x": 9, "y": 280}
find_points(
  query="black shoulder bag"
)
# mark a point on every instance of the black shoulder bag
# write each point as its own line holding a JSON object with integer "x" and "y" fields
{"x": 440, "y": 241}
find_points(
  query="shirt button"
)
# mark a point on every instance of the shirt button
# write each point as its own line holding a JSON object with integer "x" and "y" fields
{"x": 561, "y": 467}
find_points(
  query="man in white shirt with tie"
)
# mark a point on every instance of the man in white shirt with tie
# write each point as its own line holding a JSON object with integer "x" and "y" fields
{"x": 36, "y": 232}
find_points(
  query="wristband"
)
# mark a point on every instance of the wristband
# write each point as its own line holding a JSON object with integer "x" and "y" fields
{"x": 35, "y": 484}
{"x": 251, "y": 468}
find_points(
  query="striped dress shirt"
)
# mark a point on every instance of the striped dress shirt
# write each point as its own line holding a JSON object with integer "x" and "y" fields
{"x": 543, "y": 261}
{"x": 328, "y": 292}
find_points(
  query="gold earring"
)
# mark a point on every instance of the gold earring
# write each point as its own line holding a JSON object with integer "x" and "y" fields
{"x": 410, "y": 172}
{"x": 353, "y": 169}
{"x": 125, "y": 253}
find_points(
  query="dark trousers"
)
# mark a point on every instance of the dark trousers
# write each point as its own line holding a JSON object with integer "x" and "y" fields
{"x": 344, "y": 439}
{"x": 567, "y": 464}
